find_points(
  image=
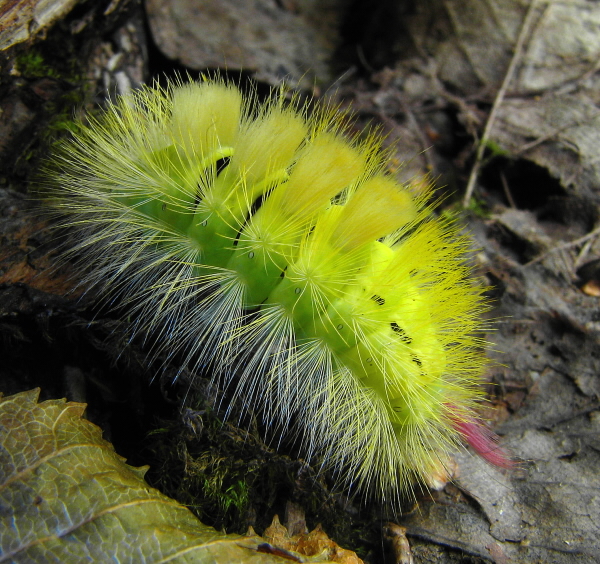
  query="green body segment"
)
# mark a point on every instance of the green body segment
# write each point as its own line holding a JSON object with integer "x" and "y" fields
{"x": 260, "y": 270}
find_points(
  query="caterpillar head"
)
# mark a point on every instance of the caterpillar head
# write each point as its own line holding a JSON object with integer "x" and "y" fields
{"x": 258, "y": 239}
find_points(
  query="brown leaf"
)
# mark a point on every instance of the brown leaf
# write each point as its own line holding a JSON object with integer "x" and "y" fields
{"x": 67, "y": 496}
{"x": 315, "y": 544}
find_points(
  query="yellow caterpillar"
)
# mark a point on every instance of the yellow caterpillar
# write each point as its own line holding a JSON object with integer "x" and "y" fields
{"x": 261, "y": 241}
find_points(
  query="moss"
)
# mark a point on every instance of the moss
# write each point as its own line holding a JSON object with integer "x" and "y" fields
{"x": 32, "y": 64}
{"x": 53, "y": 86}
{"x": 226, "y": 497}
{"x": 478, "y": 207}
{"x": 495, "y": 149}
{"x": 456, "y": 213}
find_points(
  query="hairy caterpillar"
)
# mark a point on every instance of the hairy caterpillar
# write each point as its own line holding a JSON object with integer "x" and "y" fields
{"x": 260, "y": 240}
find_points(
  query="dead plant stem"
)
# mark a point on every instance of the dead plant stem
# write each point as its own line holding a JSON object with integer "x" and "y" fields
{"x": 516, "y": 58}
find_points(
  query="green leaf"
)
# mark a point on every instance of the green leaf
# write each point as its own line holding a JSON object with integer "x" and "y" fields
{"x": 67, "y": 496}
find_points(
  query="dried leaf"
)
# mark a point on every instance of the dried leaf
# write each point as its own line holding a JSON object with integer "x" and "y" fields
{"x": 67, "y": 496}
{"x": 315, "y": 546}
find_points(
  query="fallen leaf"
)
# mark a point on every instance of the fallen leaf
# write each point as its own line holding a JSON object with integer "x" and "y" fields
{"x": 67, "y": 496}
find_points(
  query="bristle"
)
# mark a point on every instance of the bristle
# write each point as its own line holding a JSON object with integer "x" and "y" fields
{"x": 378, "y": 208}
{"x": 265, "y": 246}
{"x": 324, "y": 169}
{"x": 256, "y": 156}
{"x": 205, "y": 117}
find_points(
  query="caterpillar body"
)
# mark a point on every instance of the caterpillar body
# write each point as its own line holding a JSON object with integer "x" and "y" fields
{"x": 264, "y": 242}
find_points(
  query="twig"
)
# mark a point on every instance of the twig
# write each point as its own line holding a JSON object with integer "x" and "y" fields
{"x": 507, "y": 192}
{"x": 583, "y": 253}
{"x": 565, "y": 246}
{"x": 523, "y": 34}
{"x": 414, "y": 125}
{"x": 531, "y": 145}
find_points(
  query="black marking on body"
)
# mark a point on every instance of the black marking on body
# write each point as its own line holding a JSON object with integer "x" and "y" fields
{"x": 256, "y": 205}
{"x": 400, "y": 332}
{"x": 222, "y": 164}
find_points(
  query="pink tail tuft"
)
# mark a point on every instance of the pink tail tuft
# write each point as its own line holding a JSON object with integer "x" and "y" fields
{"x": 483, "y": 441}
